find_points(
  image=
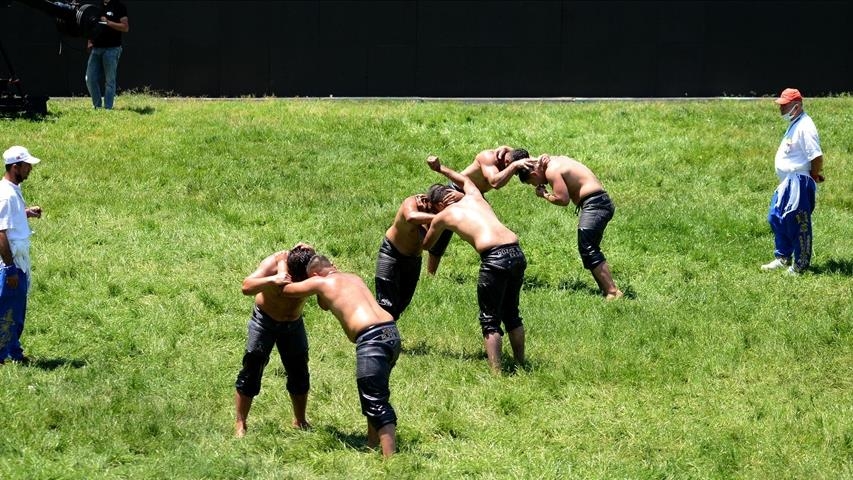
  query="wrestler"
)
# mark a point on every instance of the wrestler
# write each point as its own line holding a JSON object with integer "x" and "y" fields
{"x": 572, "y": 181}
{"x": 490, "y": 169}
{"x": 377, "y": 342}
{"x": 398, "y": 266}
{"x": 276, "y": 320}
{"x": 502, "y": 261}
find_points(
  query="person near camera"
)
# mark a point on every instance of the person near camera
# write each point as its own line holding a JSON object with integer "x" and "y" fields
{"x": 104, "y": 53}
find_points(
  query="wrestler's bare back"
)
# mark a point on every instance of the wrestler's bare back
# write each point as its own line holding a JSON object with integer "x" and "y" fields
{"x": 347, "y": 297}
{"x": 474, "y": 220}
{"x": 579, "y": 179}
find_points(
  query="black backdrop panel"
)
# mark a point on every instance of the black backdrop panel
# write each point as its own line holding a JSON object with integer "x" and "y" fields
{"x": 464, "y": 48}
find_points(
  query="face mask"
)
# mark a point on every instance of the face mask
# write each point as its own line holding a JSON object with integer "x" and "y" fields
{"x": 790, "y": 115}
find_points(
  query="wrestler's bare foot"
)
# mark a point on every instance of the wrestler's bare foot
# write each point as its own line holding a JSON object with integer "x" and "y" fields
{"x": 614, "y": 296}
{"x": 301, "y": 424}
{"x": 240, "y": 429}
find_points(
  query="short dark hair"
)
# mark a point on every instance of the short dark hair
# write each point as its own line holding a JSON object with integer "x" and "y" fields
{"x": 297, "y": 262}
{"x": 524, "y": 173}
{"x": 436, "y": 194}
{"x": 317, "y": 263}
{"x": 519, "y": 154}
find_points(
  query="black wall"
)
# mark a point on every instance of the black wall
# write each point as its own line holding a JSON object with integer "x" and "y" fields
{"x": 465, "y": 48}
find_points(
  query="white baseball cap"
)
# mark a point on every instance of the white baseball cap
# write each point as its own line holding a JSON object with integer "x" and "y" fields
{"x": 19, "y": 154}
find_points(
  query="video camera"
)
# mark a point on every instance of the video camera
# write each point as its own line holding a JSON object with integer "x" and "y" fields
{"x": 72, "y": 19}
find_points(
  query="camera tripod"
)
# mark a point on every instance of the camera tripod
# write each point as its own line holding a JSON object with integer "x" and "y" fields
{"x": 13, "y": 101}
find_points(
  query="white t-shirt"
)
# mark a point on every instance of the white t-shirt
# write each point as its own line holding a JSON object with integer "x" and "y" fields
{"x": 13, "y": 214}
{"x": 800, "y": 145}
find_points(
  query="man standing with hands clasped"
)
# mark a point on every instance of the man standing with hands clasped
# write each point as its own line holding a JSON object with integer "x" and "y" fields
{"x": 104, "y": 53}
{"x": 14, "y": 251}
{"x": 799, "y": 161}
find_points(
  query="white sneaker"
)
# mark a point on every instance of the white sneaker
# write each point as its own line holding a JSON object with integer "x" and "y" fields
{"x": 793, "y": 271}
{"x": 775, "y": 264}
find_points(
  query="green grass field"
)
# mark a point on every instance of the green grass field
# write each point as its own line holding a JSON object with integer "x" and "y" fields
{"x": 154, "y": 213}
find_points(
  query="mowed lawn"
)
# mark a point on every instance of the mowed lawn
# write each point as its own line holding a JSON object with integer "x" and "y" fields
{"x": 156, "y": 211}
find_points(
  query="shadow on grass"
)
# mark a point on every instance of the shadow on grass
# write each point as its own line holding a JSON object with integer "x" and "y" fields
{"x": 31, "y": 117}
{"x": 579, "y": 286}
{"x": 533, "y": 283}
{"x": 835, "y": 266}
{"x": 146, "y": 110}
{"x": 629, "y": 292}
{"x": 508, "y": 363}
{"x": 422, "y": 348}
{"x": 510, "y": 367}
{"x": 349, "y": 440}
{"x": 358, "y": 441}
{"x": 54, "y": 363}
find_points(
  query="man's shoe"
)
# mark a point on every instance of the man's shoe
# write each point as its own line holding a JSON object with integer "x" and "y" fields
{"x": 776, "y": 264}
{"x": 792, "y": 270}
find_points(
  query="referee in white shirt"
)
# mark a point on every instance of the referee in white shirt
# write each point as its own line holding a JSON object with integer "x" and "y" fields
{"x": 799, "y": 161}
{"x": 14, "y": 252}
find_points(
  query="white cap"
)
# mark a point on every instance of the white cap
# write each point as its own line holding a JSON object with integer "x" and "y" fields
{"x": 19, "y": 154}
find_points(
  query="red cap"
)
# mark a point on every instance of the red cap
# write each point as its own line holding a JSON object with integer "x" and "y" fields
{"x": 789, "y": 95}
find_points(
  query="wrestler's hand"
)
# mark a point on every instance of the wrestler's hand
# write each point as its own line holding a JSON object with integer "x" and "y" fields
{"x": 527, "y": 163}
{"x": 544, "y": 159}
{"x": 303, "y": 245}
{"x": 541, "y": 191}
{"x": 422, "y": 203}
{"x": 434, "y": 163}
{"x": 818, "y": 178}
{"x": 501, "y": 152}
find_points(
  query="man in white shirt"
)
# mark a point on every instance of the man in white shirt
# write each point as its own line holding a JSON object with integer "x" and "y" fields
{"x": 799, "y": 161}
{"x": 14, "y": 252}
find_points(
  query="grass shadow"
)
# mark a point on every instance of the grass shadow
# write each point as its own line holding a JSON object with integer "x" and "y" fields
{"x": 533, "y": 282}
{"x": 30, "y": 117}
{"x": 421, "y": 348}
{"x": 579, "y": 286}
{"x": 54, "y": 363}
{"x": 629, "y": 292}
{"x": 835, "y": 266}
{"x": 510, "y": 367}
{"x": 146, "y": 110}
{"x": 349, "y": 440}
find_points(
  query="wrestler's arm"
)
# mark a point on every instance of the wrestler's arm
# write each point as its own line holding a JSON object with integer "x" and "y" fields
{"x": 436, "y": 227}
{"x": 271, "y": 271}
{"x": 468, "y": 186}
{"x": 559, "y": 191}
{"x": 498, "y": 178}
{"x": 413, "y": 215}
{"x": 305, "y": 288}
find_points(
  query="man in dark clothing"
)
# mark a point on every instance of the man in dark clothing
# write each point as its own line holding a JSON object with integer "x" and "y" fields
{"x": 104, "y": 52}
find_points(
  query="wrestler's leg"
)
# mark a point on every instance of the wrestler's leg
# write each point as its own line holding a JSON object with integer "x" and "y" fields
{"x": 602, "y": 276}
